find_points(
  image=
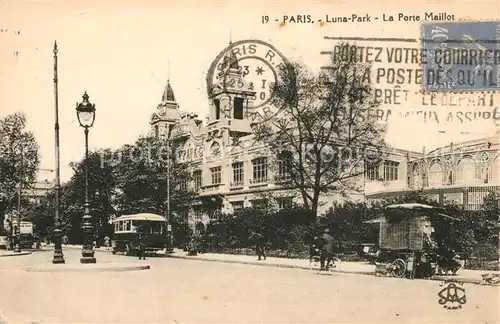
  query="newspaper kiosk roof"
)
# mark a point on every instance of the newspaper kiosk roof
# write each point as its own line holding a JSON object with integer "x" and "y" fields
{"x": 141, "y": 217}
{"x": 411, "y": 206}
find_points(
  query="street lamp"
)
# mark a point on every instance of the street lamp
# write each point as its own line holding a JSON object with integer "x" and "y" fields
{"x": 85, "y": 112}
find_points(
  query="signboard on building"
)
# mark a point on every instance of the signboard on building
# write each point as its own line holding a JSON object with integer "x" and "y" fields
{"x": 455, "y": 198}
{"x": 432, "y": 197}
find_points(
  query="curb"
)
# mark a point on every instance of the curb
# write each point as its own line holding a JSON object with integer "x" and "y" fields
{"x": 291, "y": 266}
{"x": 76, "y": 247}
{"x": 14, "y": 254}
{"x": 274, "y": 265}
{"x": 458, "y": 279}
{"x": 89, "y": 268}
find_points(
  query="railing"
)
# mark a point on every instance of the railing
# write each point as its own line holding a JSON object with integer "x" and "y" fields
{"x": 259, "y": 181}
{"x": 283, "y": 178}
{"x": 210, "y": 187}
{"x": 238, "y": 184}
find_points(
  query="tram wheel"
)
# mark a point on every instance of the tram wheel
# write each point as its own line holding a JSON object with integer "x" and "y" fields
{"x": 399, "y": 268}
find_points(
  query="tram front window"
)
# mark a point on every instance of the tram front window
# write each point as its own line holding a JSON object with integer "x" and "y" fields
{"x": 156, "y": 228}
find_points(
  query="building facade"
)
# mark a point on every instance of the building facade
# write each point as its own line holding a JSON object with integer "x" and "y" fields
{"x": 459, "y": 173}
{"x": 227, "y": 162}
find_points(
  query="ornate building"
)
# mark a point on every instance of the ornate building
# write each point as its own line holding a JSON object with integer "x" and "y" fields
{"x": 460, "y": 173}
{"x": 227, "y": 163}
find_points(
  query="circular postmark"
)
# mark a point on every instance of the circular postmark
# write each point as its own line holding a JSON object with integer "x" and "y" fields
{"x": 259, "y": 64}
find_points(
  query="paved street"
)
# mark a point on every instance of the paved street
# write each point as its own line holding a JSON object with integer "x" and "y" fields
{"x": 177, "y": 290}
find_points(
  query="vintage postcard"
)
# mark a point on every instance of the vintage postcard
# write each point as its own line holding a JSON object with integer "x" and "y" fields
{"x": 249, "y": 161}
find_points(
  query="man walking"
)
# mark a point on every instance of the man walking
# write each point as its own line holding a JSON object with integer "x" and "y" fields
{"x": 327, "y": 247}
{"x": 260, "y": 245}
{"x": 142, "y": 247}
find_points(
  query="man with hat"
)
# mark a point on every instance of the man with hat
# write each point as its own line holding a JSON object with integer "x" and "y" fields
{"x": 326, "y": 245}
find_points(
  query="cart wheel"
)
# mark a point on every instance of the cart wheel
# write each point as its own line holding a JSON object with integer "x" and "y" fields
{"x": 314, "y": 263}
{"x": 399, "y": 268}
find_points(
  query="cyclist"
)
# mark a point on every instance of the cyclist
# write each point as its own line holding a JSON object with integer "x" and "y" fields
{"x": 326, "y": 246}
{"x": 313, "y": 249}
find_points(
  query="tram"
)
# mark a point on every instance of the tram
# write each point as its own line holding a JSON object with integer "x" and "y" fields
{"x": 152, "y": 227}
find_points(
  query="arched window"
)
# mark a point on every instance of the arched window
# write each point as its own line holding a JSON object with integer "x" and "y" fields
{"x": 466, "y": 171}
{"x": 416, "y": 179}
{"x": 490, "y": 173}
{"x": 435, "y": 174}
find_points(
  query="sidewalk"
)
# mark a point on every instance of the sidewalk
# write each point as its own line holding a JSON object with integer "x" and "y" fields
{"x": 5, "y": 253}
{"x": 364, "y": 268}
{"x": 360, "y": 268}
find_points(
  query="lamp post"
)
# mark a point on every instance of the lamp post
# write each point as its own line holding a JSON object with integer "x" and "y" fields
{"x": 19, "y": 193}
{"x": 98, "y": 222}
{"x": 85, "y": 112}
{"x": 58, "y": 257}
{"x": 169, "y": 223}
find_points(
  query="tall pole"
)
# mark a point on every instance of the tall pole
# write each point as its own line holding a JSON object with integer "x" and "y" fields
{"x": 19, "y": 193}
{"x": 169, "y": 224}
{"x": 58, "y": 254}
{"x": 88, "y": 229}
{"x": 168, "y": 181}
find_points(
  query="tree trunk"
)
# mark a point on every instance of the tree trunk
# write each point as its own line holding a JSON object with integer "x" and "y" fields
{"x": 2, "y": 219}
{"x": 314, "y": 212}
{"x": 3, "y": 206}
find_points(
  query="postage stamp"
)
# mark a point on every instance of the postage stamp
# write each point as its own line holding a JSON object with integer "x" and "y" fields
{"x": 461, "y": 56}
{"x": 248, "y": 65}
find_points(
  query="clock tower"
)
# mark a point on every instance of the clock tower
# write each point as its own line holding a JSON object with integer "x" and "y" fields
{"x": 167, "y": 114}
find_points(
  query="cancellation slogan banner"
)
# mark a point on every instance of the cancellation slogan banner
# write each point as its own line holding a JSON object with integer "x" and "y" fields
{"x": 397, "y": 75}
{"x": 389, "y": 39}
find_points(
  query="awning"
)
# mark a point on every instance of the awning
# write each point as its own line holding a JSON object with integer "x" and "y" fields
{"x": 411, "y": 206}
{"x": 141, "y": 216}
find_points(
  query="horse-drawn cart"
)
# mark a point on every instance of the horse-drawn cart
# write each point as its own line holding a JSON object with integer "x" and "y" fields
{"x": 407, "y": 247}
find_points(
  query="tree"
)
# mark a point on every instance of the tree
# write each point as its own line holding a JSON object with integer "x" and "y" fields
{"x": 141, "y": 178}
{"x": 132, "y": 179}
{"x": 323, "y": 134}
{"x": 347, "y": 224}
{"x": 490, "y": 216}
{"x": 19, "y": 159}
{"x": 3, "y": 205}
{"x": 101, "y": 188}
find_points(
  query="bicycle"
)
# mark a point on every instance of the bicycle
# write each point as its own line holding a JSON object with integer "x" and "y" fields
{"x": 331, "y": 263}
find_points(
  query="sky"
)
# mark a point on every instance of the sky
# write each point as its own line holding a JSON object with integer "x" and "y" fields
{"x": 122, "y": 54}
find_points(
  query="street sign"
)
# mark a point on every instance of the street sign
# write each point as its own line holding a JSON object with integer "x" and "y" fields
{"x": 169, "y": 228}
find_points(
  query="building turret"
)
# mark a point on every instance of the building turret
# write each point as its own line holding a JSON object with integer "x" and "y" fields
{"x": 231, "y": 95}
{"x": 167, "y": 114}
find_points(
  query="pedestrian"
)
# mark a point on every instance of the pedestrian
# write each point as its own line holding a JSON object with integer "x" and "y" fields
{"x": 327, "y": 248}
{"x": 142, "y": 247}
{"x": 260, "y": 245}
{"x": 107, "y": 243}
{"x": 65, "y": 240}
{"x": 192, "y": 247}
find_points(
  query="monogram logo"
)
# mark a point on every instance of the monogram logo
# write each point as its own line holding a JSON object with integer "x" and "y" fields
{"x": 452, "y": 296}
